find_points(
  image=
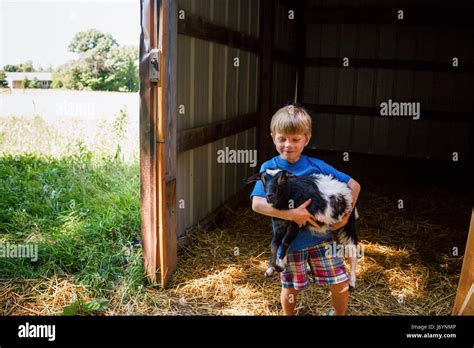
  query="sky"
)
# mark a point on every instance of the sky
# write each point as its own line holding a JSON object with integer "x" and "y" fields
{"x": 41, "y": 31}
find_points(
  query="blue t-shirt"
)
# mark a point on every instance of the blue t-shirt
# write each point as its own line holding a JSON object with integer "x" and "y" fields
{"x": 304, "y": 166}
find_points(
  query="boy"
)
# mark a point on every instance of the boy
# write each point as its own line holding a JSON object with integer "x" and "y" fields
{"x": 291, "y": 132}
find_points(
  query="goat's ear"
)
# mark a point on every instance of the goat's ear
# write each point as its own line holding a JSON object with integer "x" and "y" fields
{"x": 254, "y": 178}
{"x": 291, "y": 176}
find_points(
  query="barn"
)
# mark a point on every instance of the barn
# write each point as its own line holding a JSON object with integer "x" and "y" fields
{"x": 388, "y": 88}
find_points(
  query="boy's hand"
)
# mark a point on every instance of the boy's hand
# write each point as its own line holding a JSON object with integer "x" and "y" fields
{"x": 302, "y": 216}
{"x": 355, "y": 187}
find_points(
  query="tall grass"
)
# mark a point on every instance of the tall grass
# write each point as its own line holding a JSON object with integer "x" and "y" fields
{"x": 80, "y": 207}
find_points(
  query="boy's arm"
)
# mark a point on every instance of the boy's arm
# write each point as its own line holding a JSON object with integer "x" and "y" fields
{"x": 299, "y": 215}
{"x": 355, "y": 186}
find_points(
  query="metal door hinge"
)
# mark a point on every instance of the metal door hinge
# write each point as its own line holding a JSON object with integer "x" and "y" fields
{"x": 155, "y": 65}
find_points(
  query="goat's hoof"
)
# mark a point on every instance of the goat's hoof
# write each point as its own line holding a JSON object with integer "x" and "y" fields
{"x": 269, "y": 272}
{"x": 280, "y": 264}
{"x": 351, "y": 288}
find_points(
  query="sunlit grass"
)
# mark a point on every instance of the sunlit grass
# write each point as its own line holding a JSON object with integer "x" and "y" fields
{"x": 80, "y": 205}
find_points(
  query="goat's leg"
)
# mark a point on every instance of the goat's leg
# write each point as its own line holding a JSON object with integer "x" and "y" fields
{"x": 351, "y": 231}
{"x": 289, "y": 237}
{"x": 347, "y": 236}
{"x": 279, "y": 230}
{"x": 271, "y": 262}
{"x": 352, "y": 251}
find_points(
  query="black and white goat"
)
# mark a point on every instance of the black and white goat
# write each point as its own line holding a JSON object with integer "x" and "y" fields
{"x": 330, "y": 200}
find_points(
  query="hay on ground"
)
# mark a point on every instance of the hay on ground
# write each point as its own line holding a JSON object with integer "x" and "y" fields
{"x": 406, "y": 270}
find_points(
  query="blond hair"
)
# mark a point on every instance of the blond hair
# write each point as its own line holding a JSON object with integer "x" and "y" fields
{"x": 291, "y": 119}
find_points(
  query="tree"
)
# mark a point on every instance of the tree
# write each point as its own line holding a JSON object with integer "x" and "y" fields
{"x": 3, "y": 79}
{"x": 27, "y": 66}
{"x": 94, "y": 40}
{"x": 25, "y": 83}
{"x": 57, "y": 80}
{"x": 12, "y": 68}
{"x": 102, "y": 64}
{"x": 125, "y": 71}
{"x": 35, "y": 83}
{"x": 24, "y": 67}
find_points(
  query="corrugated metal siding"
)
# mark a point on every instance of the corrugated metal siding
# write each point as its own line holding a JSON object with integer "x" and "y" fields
{"x": 283, "y": 84}
{"x": 212, "y": 89}
{"x": 284, "y": 74}
{"x": 284, "y": 35}
{"x": 356, "y": 3}
{"x": 436, "y": 91}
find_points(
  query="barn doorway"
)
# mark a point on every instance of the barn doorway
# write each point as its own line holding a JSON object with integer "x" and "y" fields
{"x": 227, "y": 66}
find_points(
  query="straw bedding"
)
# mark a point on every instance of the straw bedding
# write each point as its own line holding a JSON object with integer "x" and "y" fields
{"x": 408, "y": 268}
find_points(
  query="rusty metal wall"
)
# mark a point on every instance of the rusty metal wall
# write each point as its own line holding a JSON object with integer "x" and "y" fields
{"x": 436, "y": 91}
{"x": 211, "y": 88}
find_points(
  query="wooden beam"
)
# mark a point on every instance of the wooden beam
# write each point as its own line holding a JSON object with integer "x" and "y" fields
{"x": 382, "y": 15}
{"x": 267, "y": 10}
{"x": 158, "y": 140}
{"x": 166, "y": 142}
{"x": 148, "y": 164}
{"x": 200, "y": 28}
{"x": 389, "y": 64}
{"x": 467, "y": 272}
{"x": 191, "y": 138}
{"x": 467, "y": 307}
{"x": 375, "y": 112}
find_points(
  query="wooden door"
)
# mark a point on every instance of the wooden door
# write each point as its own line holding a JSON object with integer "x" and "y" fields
{"x": 158, "y": 56}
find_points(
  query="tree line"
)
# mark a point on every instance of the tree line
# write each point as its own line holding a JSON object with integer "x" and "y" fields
{"x": 101, "y": 65}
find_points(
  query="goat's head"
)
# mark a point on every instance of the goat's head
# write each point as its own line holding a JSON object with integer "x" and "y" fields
{"x": 274, "y": 183}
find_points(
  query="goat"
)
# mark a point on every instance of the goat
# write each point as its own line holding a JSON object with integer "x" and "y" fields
{"x": 330, "y": 200}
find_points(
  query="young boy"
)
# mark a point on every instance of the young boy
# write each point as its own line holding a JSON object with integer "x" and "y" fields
{"x": 291, "y": 132}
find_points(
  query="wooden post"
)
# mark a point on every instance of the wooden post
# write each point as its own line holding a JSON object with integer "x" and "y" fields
{"x": 148, "y": 143}
{"x": 158, "y": 139}
{"x": 467, "y": 272}
{"x": 266, "y": 70}
{"x": 467, "y": 307}
{"x": 166, "y": 140}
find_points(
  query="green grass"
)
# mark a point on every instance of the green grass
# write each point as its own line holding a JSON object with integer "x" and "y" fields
{"x": 82, "y": 210}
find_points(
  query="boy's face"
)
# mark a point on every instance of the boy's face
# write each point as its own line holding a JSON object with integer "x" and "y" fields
{"x": 290, "y": 146}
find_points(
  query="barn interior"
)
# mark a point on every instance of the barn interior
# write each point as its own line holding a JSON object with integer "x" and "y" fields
{"x": 240, "y": 61}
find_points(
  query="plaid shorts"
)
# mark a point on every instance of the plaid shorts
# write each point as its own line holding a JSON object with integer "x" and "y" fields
{"x": 326, "y": 269}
